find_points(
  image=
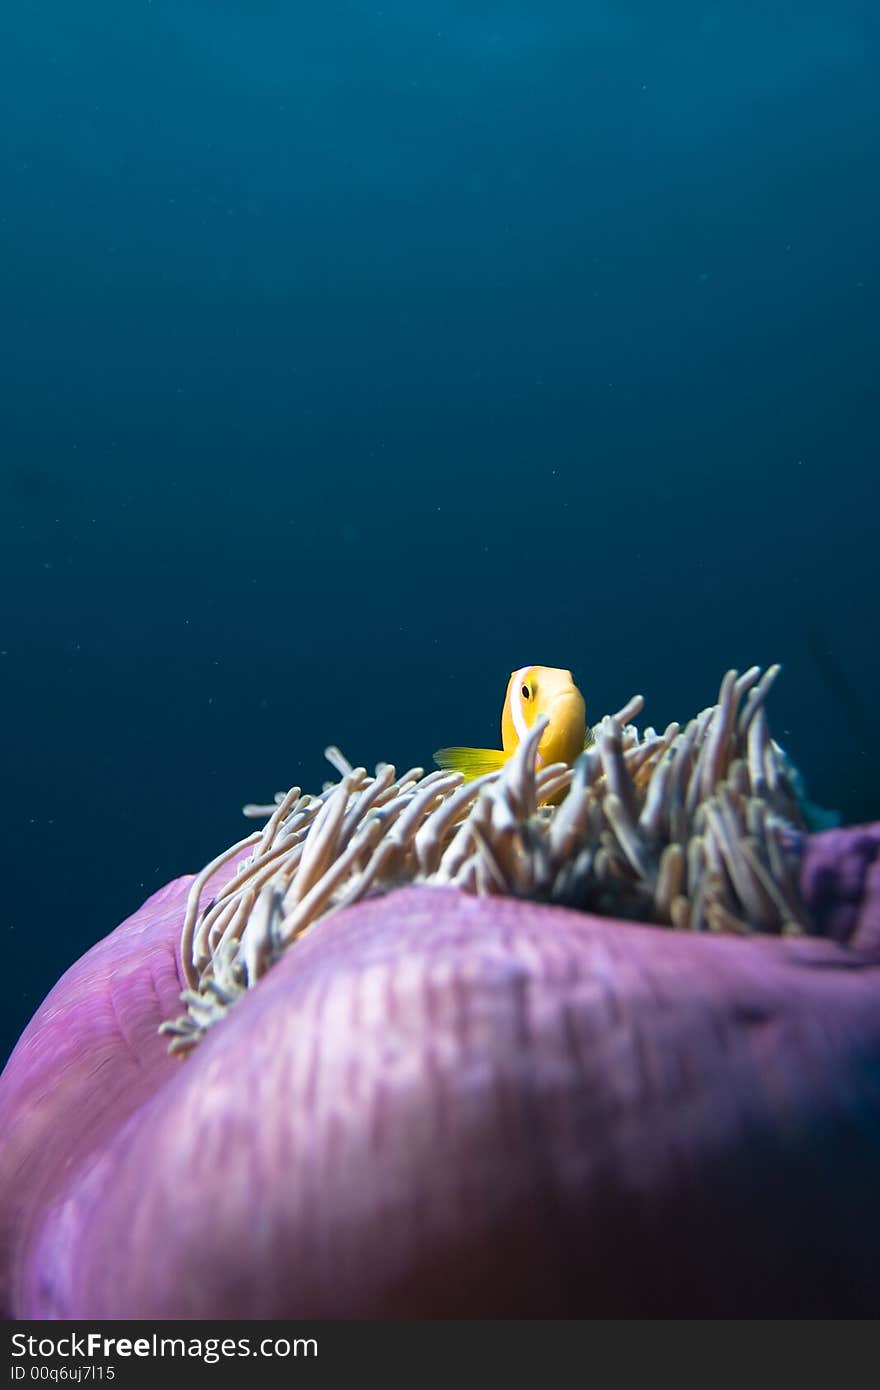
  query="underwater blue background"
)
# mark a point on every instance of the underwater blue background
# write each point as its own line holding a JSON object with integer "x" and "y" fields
{"x": 356, "y": 354}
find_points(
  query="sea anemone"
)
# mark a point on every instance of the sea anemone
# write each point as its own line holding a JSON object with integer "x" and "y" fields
{"x": 697, "y": 828}
{"x": 440, "y": 1102}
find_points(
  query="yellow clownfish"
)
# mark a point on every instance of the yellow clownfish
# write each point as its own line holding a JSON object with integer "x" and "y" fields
{"x": 531, "y": 691}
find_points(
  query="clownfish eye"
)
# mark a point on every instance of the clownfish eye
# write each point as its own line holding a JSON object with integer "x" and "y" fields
{"x": 526, "y": 693}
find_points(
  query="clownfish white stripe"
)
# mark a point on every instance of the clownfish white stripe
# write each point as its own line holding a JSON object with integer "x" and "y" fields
{"x": 516, "y": 707}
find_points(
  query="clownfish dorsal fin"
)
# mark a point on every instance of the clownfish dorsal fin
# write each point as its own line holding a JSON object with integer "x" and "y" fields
{"x": 472, "y": 762}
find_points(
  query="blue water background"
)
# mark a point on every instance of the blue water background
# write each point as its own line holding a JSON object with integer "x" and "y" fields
{"x": 355, "y": 354}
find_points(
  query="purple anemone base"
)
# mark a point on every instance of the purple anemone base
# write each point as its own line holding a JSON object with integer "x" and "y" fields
{"x": 436, "y": 1105}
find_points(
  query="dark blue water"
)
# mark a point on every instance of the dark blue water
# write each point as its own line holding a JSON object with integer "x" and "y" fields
{"x": 355, "y": 354}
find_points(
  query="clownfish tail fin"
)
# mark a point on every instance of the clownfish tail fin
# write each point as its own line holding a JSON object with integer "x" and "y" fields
{"x": 471, "y": 762}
